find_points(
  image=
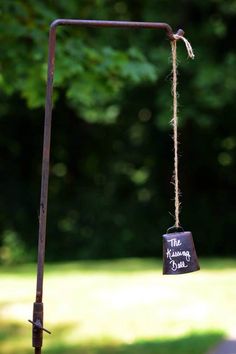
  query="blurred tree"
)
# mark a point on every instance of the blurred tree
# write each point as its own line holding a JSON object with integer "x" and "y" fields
{"x": 111, "y": 167}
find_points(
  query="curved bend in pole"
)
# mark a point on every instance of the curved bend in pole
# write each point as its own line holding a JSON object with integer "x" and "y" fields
{"x": 38, "y": 305}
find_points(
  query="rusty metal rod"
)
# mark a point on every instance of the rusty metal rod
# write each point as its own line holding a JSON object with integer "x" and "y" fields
{"x": 114, "y": 24}
{"x": 47, "y": 142}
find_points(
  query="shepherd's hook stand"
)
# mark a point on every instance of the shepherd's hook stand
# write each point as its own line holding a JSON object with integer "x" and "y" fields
{"x": 37, "y": 322}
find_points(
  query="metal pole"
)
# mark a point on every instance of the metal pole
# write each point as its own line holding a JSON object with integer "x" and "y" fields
{"x": 37, "y": 322}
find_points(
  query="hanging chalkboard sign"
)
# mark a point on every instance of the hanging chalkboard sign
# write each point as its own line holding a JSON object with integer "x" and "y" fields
{"x": 179, "y": 255}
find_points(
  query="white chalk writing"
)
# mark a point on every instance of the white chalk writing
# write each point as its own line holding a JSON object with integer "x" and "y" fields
{"x": 172, "y": 255}
{"x": 174, "y": 242}
{"x": 175, "y": 266}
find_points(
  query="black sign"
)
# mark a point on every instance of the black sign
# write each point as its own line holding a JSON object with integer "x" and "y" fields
{"x": 179, "y": 255}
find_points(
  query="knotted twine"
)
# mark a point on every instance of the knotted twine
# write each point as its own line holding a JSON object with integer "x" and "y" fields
{"x": 174, "y": 120}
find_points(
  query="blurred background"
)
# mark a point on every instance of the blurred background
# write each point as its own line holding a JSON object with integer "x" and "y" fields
{"x": 110, "y": 196}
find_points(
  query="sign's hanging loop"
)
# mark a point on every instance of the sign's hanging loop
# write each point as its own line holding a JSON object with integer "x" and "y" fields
{"x": 179, "y": 255}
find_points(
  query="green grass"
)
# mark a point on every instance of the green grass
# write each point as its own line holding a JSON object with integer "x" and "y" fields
{"x": 120, "y": 307}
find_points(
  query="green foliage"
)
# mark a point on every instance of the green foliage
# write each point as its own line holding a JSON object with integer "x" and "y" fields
{"x": 111, "y": 165}
{"x": 93, "y": 75}
{"x": 12, "y": 250}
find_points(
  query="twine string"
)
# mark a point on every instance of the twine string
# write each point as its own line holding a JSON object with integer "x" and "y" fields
{"x": 187, "y": 45}
{"x": 174, "y": 120}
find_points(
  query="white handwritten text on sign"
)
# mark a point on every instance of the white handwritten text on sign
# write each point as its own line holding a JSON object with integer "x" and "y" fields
{"x": 178, "y": 258}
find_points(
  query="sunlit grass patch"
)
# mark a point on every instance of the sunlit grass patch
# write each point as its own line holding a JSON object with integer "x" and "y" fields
{"x": 120, "y": 304}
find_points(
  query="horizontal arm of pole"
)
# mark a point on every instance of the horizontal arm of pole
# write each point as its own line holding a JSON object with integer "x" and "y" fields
{"x": 116, "y": 24}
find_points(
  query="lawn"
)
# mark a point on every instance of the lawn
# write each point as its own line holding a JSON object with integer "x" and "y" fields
{"x": 120, "y": 307}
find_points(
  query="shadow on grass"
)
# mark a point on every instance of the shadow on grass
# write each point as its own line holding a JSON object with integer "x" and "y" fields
{"x": 15, "y": 338}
